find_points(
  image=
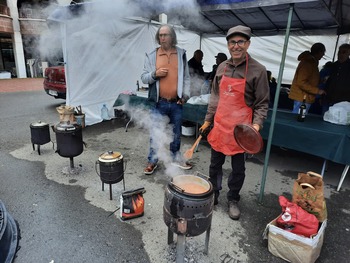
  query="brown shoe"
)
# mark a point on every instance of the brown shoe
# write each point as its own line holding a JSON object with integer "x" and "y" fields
{"x": 150, "y": 168}
{"x": 233, "y": 210}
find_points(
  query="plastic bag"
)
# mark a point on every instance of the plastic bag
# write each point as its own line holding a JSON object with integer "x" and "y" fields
{"x": 132, "y": 203}
{"x": 339, "y": 113}
{"x": 296, "y": 220}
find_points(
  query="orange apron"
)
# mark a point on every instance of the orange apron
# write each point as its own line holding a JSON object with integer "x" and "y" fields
{"x": 231, "y": 110}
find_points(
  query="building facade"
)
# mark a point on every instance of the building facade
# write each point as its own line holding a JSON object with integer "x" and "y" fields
{"x": 21, "y": 24}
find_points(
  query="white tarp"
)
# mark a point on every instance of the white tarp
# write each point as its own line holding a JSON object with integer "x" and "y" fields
{"x": 268, "y": 51}
{"x": 107, "y": 58}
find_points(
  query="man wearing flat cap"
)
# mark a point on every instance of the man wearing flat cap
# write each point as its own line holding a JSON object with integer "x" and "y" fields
{"x": 220, "y": 57}
{"x": 239, "y": 95}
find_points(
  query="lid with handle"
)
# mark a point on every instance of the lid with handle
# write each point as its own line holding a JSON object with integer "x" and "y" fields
{"x": 38, "y": 124}
{"x": 110, "y": 156}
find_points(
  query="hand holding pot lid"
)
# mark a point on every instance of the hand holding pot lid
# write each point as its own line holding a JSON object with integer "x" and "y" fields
{"x": 248, "y": 138}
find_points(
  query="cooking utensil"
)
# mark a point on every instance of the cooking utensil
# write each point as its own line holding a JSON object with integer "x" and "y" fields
{"x": 248, "y": 138}
{"x": 188, "y": 154}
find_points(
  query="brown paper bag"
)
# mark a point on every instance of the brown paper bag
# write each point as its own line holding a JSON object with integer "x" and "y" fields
{"x": 308, "y": 194}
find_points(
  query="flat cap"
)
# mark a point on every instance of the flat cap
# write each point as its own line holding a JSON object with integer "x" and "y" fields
{"x": 239, "y": 30}
{"x": 221, "y": 56}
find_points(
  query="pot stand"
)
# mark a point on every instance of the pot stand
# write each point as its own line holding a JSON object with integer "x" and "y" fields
{"x": 181, "y": 244}
{"x": 40, "y": 134}
{"x": 110, "y": 188}
{"x": 108, "y": 180}
{"x": 53, "y": 147}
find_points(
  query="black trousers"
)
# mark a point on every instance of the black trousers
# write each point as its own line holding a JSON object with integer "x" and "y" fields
{"x": 236, "y": 177}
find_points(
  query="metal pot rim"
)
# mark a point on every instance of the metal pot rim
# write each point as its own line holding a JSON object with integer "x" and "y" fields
{"x": 38, "y": 124}
{"x": 110, "y": 156}
{"x": 174, "y": 184}
{"x": 62, "y": 126}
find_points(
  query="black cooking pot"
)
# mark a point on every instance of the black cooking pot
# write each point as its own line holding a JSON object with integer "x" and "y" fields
{"x": 40, "y": 133}
{"x": 111, "y": 167}
{"x": 69, "y": 139}
{"x": 188, "y": 205}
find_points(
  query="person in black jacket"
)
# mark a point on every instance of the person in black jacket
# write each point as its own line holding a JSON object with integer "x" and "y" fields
{"x": 195, "y": 64}
{"x": 337, "y": 85}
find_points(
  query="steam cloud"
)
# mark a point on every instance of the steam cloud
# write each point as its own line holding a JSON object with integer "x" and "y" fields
{"x": 97, "y": 28}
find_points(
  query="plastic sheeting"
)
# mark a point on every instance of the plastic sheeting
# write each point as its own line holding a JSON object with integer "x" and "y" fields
{"x": 106, "y": 59}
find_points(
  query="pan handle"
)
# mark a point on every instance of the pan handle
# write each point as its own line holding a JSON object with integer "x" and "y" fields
{"x": 202, "y": 175}
{"x": 179, "y": 189}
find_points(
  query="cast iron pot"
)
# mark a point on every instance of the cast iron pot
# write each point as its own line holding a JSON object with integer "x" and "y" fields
{"x": 188, "y": 205}
{"x": 40, "y": 133}
{"x": 111, "y": 167}
{"x": 69, "y": 139}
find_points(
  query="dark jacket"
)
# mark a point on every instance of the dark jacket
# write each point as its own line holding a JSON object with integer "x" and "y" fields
{"x": 338, "y": 83}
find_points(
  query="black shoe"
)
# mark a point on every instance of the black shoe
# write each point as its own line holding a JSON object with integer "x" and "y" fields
{"x": 216, "y": 201}
{"x": 216, "y": 197}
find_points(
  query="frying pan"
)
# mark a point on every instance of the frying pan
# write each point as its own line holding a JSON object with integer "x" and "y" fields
{"x": 248, "y": 138}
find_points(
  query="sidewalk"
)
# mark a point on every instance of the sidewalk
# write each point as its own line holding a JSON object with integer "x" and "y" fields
{"x": 17, "y": 85}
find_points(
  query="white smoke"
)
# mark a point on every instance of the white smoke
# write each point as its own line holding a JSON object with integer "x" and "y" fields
{"x": 162, "y": 134}
{"x": 104, "y": 49}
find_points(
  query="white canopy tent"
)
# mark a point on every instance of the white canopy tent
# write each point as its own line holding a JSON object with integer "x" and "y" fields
{"x": 104, "y": 53}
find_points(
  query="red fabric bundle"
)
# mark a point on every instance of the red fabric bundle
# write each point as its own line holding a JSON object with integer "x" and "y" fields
{"x": 296, "y": 220}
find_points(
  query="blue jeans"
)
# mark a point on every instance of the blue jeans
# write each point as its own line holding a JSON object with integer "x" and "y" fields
{"x": 297, "y": 105}
{"x": 174, "y": 112}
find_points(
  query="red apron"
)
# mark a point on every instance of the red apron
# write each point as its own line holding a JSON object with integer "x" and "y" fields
{"x": 231, "y": 110}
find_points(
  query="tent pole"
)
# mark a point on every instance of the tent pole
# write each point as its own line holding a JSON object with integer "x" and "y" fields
{"x": 63, "y": 28}
{"x": 335, "y": 49}
{"x": 273, "y": 117}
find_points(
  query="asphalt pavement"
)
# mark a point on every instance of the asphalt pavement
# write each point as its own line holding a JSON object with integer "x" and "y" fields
{"x": 64, "y": 216}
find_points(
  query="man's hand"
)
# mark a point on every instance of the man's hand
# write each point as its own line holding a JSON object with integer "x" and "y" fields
{"x": 256, "y": 126}
{"x": 161, "y": 72}
{"x": 181, "y": 101}
{"x": 204, "y": 126}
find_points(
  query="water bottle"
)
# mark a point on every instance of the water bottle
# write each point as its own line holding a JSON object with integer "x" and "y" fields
{"x": 104, "y": 112}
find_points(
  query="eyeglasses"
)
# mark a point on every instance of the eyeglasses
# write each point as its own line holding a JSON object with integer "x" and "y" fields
{"x": 240, "y": 43}
{"x": 164, "y": 35}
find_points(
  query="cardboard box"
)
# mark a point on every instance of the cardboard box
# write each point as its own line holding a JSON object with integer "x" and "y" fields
{"x": 291, "y": 247}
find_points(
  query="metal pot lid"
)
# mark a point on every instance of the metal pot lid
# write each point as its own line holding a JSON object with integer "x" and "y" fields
{"x": 110, "y": 156}
{"x": 39, "y": 124}
{"x": 248, "y": 138}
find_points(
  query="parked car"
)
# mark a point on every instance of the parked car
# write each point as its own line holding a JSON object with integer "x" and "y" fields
{"x": 55, "y": 82}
